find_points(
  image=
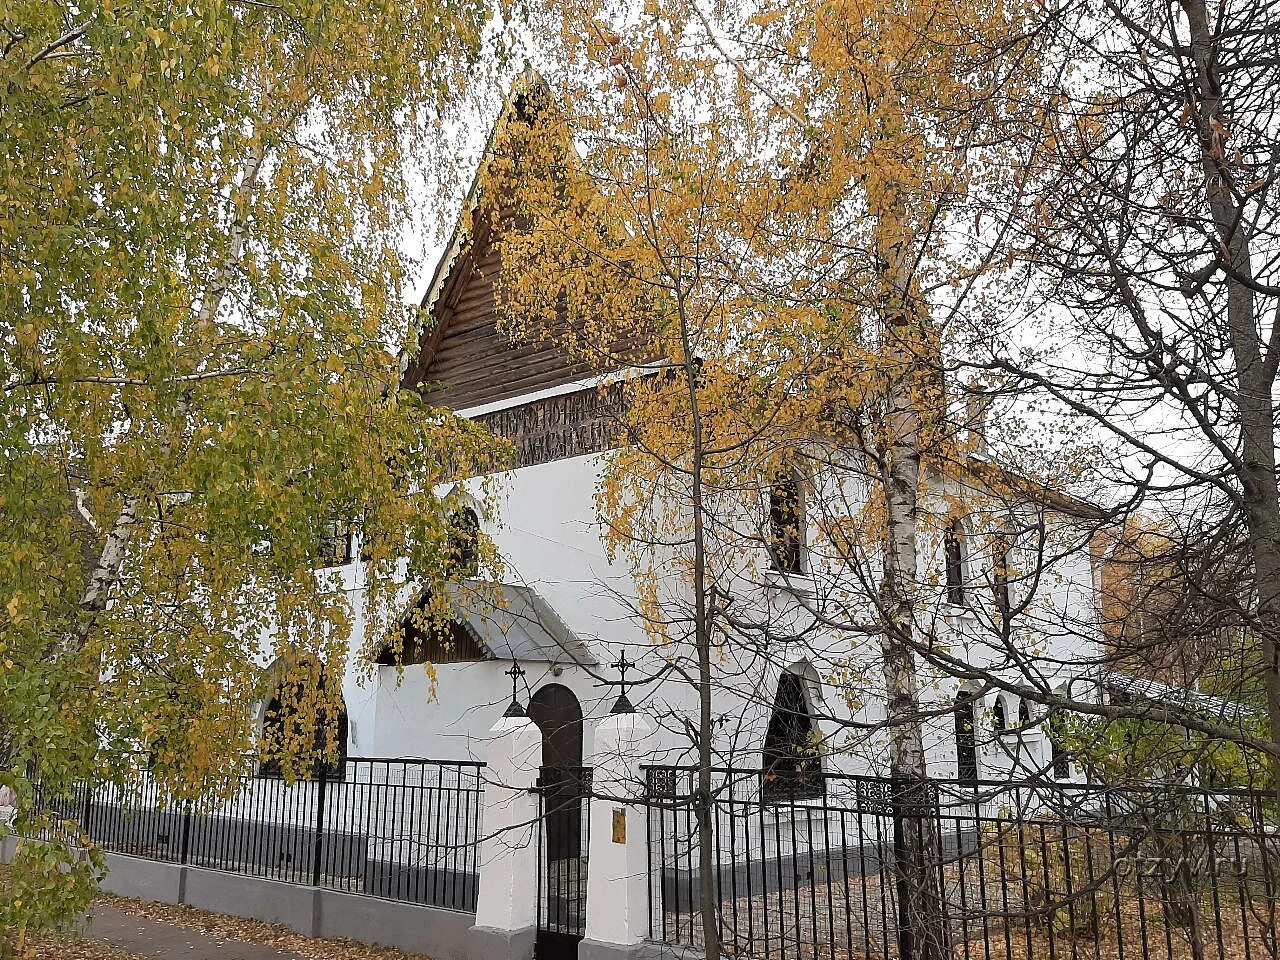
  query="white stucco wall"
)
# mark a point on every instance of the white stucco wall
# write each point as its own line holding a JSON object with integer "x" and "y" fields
{"x": 545, "y": 528}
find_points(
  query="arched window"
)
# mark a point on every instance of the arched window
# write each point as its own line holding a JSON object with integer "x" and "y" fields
{"x": 999, "y": 720}
{"x": 786, "y": 524}
{"x": 953, "y": 546}
{"x": 426, "y": 637}
{"x": 464, "y": 542}
{"x": 1059, "y": 756}
{"x": 299, "y": 723}
{"x": 1024, "y": 714}
{"x": 333, "y": 546}
{"x": 792, "y": 761}
{"x": 966, "y": 739}
{"x": 1001, "y": 544}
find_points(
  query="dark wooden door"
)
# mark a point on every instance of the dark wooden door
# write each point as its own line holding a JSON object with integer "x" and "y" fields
{"x": 556, "y": 711}
{"x": 558, "y": 715}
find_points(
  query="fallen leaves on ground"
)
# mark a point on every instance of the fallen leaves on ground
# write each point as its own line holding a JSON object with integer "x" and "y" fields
{"x": 226, "y": 927}
{"x": 61, "y": 948}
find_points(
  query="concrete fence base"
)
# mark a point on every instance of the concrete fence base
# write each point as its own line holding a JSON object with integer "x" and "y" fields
{"x": 490, "y": 943}
{"x": 311, "y": 911}
{"x": 590, "y": 949}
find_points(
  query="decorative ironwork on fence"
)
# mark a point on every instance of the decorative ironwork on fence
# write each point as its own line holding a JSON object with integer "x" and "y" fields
{"x": 398, "y": 829}
{"x": 1011, "y": 870}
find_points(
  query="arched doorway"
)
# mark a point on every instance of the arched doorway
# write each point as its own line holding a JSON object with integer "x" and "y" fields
{"x": 791, "y": 752}
{"x": 558, "y": 714}
{"x": 562, "y": 858}
{"x": 966, "y": 738}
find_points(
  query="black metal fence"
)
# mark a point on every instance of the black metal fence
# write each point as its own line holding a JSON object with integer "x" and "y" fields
{"x": 399, "y": 829}
{"x": 880, "y": 868}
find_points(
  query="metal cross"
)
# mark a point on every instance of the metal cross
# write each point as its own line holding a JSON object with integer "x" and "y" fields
{"x": 515, "y": 673}
{"x": 622, "y": 704}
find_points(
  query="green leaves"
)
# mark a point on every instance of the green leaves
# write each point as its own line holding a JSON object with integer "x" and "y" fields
{"x": 48, "y": 885}
{"x": 201, "y": 206}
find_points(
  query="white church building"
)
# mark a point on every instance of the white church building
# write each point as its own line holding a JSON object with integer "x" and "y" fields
{"x": 566, "y": 614}
{"x": 458, "y": 819}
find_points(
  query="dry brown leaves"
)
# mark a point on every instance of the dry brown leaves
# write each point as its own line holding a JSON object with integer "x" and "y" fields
{"x": 57, "y": 948}
{"x": 274, "y": 935}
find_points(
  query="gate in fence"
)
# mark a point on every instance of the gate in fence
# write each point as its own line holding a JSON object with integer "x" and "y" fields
{"x": 564, "y": 834}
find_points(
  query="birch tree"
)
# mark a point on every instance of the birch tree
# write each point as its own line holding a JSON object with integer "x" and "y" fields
{"x": 616, "y": 253}
{"x": 772, "y": 227}
{"x": 201, "y": 207}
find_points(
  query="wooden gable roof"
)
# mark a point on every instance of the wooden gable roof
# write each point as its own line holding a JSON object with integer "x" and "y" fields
{"x": 465, "y": 358}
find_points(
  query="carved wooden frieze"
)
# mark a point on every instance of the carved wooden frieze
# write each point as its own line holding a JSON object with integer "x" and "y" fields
{"x": 559, "y": 427}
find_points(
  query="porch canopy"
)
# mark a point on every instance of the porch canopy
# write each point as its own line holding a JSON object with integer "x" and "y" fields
{"x": 508, "y": 621}
{"x": 1122, "y": 687}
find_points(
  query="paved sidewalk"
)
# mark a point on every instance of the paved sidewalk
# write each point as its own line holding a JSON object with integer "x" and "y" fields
{"x": 168, "y": 941}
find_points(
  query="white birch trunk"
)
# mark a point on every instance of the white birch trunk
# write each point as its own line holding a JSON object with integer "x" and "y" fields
{"x": 917, "y": 857}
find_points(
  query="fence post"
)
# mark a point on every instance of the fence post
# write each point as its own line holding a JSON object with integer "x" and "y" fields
{"x": 88, "y": 806}
{"x": 317, "y": 847}
{"x": 618, "y": 872}
{"x": 506, "y": 901}
{"x": 185, "y": 848}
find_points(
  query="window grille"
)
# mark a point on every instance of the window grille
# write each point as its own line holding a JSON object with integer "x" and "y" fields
{"x": 954, "y": 550}
{"x": 966, "y": 739}
{"x": 786, "y": 525}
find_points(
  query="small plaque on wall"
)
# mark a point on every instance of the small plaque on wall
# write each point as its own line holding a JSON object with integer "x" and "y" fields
{"x": 619, "y": 825}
